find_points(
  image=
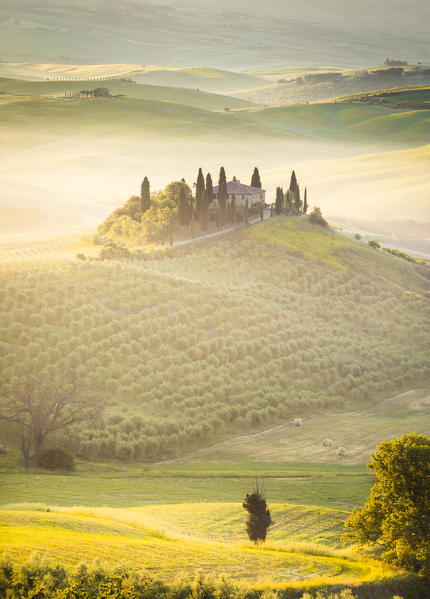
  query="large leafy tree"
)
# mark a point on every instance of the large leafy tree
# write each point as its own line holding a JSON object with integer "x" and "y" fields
{"x": 259, "y": 518}
{"x": 396, "y": 516}
{"x": 41, "y": 404}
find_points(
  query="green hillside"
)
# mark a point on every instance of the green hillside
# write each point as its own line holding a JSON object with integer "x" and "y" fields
{"x": 123, "y": 116}
{"x": 253, "y": 330}
{"x": 347, "y": 122}
{"x": 300, "y": 85}
{"x": 187, "y": 97}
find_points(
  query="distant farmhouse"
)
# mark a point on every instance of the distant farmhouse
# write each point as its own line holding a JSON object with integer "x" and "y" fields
{"x": 239, "y": 192}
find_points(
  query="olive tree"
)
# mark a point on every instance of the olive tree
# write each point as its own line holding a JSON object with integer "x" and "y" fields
{"x": 40, "y": 404}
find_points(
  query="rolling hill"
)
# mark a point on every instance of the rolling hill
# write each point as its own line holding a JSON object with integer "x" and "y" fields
{"x": 185, "y": 97}
{"x": 144, "y": 335}
{"x": 212, "y": 35}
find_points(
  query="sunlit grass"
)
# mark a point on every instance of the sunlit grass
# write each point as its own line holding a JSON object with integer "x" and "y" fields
{"x": 299, "y": 235}
{"x": 139, "y": 540}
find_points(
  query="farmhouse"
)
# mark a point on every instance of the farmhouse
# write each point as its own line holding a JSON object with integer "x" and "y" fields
{"x": 239, "y": 192}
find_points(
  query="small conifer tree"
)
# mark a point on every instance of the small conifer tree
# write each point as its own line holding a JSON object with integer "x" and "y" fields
{"x": 259, "y": 518}
{"x": 305, "y": 202}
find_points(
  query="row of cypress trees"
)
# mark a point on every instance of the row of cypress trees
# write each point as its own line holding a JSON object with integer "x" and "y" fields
{"x": 291, "y": 200}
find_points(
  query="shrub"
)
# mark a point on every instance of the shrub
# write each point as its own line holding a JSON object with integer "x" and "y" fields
{"x": 316, "y": 217}
{"x": 55, "y": 458}
{"x": 374, "y": 244}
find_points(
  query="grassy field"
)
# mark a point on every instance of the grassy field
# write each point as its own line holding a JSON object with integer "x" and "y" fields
{"x": 334, "y": 486}
{"x": 358, "y": 431}
{"x": 166, "y": 540}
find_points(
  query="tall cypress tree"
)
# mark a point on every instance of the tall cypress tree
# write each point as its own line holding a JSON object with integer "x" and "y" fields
{"x": 209, "y": 188}
{"x": 222, "y": 176}
{"x": 305, "y": 202}
{"x": 255, "y": 180}
{"x": 298, "y": 200}
{"x": 279, "y": 200}
{"x": 204, "y": 212}
{"x": 200, "y": 190}
{"x": 222, "y": 197}
{"x": 293, "y": 183}
{"x": 145, "y": 195}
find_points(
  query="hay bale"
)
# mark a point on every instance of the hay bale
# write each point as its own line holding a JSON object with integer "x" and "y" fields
{"x": 297, "y": 422}
{"x": 341, "y": 452}
{"x": 327, "y": 442}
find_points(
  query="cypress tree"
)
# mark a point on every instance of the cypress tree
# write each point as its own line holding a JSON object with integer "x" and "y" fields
{"x": 255, "y": 180}
{"x": 233, "y": 211}
{"x": 279, "y": 200}
{"x": 145, "y": 195}
{"x": 293, "y": 183}
{"x": 200, "y": 190}
{"x": 246, "y": 212}
{"x": 298, "y": 200}
{"x": 222, "y": 197}
{"x": 209, "y": 187}
{"x": 222, "y": 202}
{"x": 222, "y": 177}
{"x": 305, "y": 202}
{"x": 204, "y": 213}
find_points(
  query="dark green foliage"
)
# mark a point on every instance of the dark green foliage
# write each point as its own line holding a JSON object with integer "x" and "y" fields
{"x": 204, "y": 213}
{"x": 55, "y": 458}
{"x": 255, "y": 180}
{"x": 35, "y": 579}
{"x": 279, "y": 200}
{"x": 374, "y": 244}
{"x": 145, "y": 195}
{"x": 209, "y": 188}
{"x": 200, "y": 190}
{"x": 396, "y": 517}
{"x": 222, "y": 197}
{"x": 305, "y": 202}
{"x": 259, "y": 519}
{"x": 316, "y": 217}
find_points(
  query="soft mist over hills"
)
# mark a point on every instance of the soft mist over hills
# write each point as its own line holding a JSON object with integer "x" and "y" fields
{"x": 246, "y": 35}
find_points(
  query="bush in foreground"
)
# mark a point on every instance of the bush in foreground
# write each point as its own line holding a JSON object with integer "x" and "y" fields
{"x": 36, "y": 579}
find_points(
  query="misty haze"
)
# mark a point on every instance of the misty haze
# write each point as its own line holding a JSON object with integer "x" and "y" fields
{"x": 215, "y": 299}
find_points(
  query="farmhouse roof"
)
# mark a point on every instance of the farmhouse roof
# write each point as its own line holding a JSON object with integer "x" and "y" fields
{"x": 238, "y": 188}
